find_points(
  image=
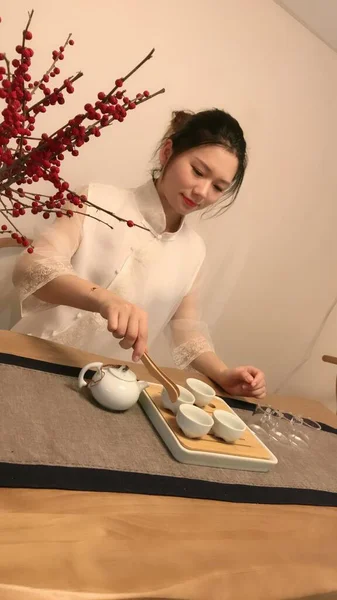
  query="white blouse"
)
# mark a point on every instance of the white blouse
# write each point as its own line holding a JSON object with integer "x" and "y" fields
{"x": 154, "y": 269}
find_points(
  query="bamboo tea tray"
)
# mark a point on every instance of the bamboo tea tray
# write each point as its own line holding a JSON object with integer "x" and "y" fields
{"x": 248, "y": 453}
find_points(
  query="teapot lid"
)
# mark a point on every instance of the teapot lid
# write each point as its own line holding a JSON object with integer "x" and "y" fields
{"x": 122, "y": 372}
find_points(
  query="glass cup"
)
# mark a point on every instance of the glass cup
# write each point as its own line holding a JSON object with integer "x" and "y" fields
{"x": 313, "y": 426}
{"x": 260, "y": 419}
{"x": 278, "y": 426}
{"x": 285, "y": 428}
{"x": 293, "y": 429}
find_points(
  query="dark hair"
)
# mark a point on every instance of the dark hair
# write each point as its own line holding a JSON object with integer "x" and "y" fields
{"x": 190, "y": 130}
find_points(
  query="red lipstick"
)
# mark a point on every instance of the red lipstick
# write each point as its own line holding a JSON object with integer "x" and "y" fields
{"x": 189, "y": 202}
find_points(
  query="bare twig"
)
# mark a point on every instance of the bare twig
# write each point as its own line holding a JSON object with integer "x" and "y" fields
{"x": 8, "y": 65}
{"x": 142, "y": 62}
{"x": 51, "y": 68}
{"x": 146, "y": 98}
{"x": 29, "y": 138}
{"x": 30, "y": 16}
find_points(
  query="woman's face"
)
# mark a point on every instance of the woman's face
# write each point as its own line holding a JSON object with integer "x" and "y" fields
{"x": 196, "y": 179}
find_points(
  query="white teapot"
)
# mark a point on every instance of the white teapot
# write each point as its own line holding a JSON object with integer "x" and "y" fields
{"x": 115, "y": 387}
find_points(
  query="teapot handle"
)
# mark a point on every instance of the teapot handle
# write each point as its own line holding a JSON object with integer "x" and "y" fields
{"x": 95, "y": 365}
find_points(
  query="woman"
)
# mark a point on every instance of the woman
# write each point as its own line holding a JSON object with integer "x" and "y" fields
{"x": 85, "y": 283}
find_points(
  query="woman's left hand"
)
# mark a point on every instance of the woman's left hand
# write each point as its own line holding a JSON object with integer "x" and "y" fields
{"x": 244, "y": 381}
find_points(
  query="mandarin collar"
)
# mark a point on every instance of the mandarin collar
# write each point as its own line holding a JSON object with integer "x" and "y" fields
{"x": 151, "y": 209}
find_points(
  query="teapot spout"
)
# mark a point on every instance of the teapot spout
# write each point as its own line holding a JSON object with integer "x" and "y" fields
{"x": 142, "y": 385}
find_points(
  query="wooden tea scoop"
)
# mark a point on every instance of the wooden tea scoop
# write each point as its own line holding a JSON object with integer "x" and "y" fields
{"x": 169, "y": 385}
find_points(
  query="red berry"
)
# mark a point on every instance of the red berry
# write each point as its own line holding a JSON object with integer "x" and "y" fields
{"x": 119, "y": 82}
{"x": 22, "y": 211}
{"x": 28, "y": 35}
{"x": 130, "y": 223}
{"x": 61, "y": 56}
{"x": 70, "y": 213}
{"x": 146, "y": 94}
{"x": 25, "y": 242}
{"x": 56, "y": 71}
{"x": 101, "y": 95}
{"x": 30, "y": 250}
{"x": 59, "y": 214}
{"x": 4, "y": 227}
{"x": 132, "y": 105}
{"x": 46, "y": 215}
{"x": 61, "y": 48}
{"x": 71, "y": 42}
{"x": 16, "y": 213}
{"x": 15, "y": 236}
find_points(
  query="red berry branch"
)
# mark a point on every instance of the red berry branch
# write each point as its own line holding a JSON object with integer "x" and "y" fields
{"x": 26, "y": 159}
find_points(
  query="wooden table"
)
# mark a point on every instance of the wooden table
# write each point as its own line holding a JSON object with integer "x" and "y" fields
{"x": 61, "y": 545}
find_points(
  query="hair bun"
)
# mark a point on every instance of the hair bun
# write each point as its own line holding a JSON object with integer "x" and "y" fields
{"x": 179, "y": 119}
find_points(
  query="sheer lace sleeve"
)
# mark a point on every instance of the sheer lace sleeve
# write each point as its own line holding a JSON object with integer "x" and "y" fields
{"x": 188, "y": 334}
{"x": 53, "y": 251}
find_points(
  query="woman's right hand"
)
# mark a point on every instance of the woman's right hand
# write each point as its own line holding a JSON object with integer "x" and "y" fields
{"x": 126, "y": 322}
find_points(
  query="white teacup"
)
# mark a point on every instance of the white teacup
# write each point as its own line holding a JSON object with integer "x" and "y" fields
{"x": 203, "y": 393}
{"x": 185, "y": 397}
{"x": 227, "y": 426}
{"x": 193, "y": 421}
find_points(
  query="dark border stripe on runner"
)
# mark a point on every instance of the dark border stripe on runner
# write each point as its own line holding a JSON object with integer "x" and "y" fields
{"x": 102, "y": 480}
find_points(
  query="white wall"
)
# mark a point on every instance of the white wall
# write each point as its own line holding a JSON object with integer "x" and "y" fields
{"x": 273, "y": 257}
